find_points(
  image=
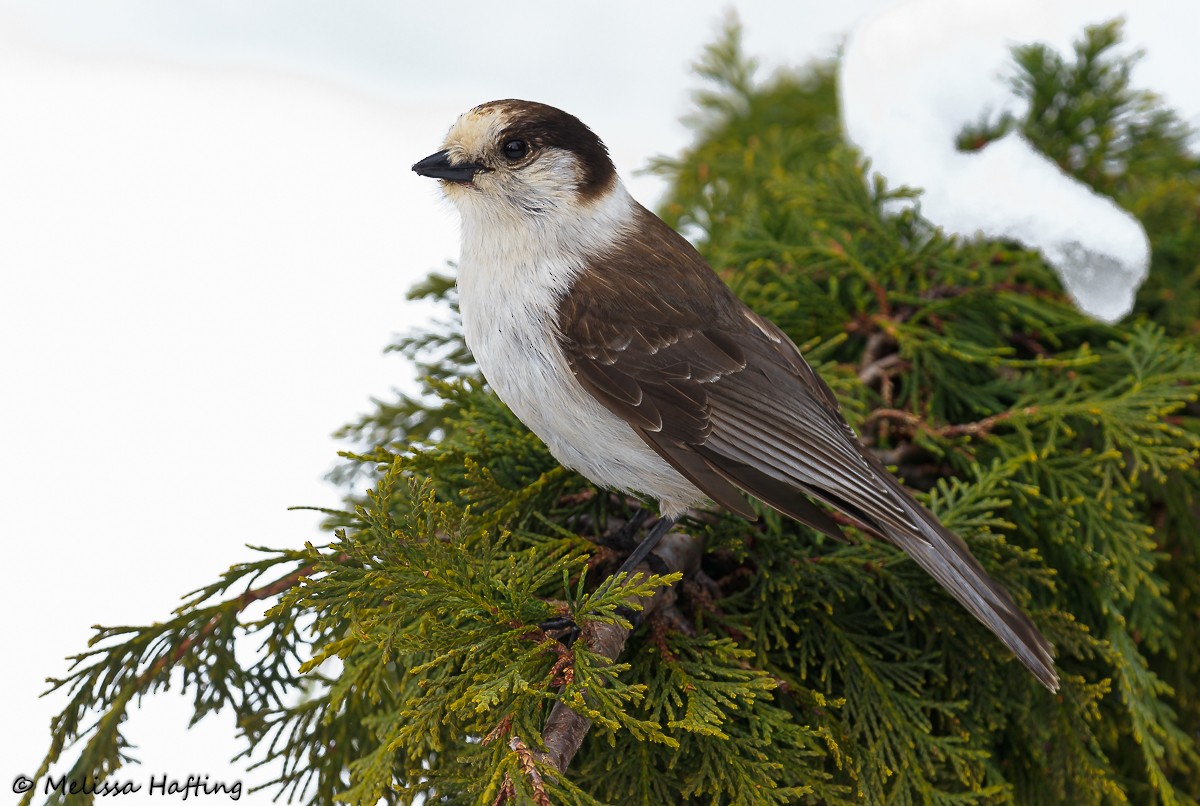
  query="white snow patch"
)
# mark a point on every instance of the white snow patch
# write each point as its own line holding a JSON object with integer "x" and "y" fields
{"x": 914, "y": 75}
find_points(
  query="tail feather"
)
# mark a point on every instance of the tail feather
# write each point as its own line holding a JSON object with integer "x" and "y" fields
{"x": 947, "y": 559}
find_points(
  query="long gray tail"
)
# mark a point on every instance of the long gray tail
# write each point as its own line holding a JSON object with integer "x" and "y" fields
{"x": 948, "y": 560}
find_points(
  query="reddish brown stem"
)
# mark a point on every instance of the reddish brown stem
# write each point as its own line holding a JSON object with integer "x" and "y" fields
{"x": 975, "y": 429}
{"x": 241, "y": 603}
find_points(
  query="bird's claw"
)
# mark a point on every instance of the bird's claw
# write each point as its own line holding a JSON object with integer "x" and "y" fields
{"x": 562, "y": 629}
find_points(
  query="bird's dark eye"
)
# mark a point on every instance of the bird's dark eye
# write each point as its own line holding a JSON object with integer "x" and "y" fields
{"x": 515, "y": 149}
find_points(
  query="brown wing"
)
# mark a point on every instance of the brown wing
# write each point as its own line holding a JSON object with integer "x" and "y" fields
{"x": 719, "y": 392}
{"x": 726, "y": 398}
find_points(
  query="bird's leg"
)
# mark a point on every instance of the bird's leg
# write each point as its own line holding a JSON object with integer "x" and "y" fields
{"x": 623, "y": 538}
{"x": 638, "y": 555}
{"x": 564, "y": 624}
{"x": 647, "y": 545}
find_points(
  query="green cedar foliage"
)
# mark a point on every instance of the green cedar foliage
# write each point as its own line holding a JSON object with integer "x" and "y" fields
{"x": 403, "y": 659}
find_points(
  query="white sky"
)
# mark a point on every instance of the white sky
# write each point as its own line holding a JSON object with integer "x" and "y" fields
{"x": 207, "y": 227}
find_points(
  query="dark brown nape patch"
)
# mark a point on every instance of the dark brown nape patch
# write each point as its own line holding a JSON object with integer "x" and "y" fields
{"x": 541, "y": 125}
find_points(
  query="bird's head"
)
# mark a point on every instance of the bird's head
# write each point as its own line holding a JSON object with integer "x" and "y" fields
{"x": 520, "y": 158}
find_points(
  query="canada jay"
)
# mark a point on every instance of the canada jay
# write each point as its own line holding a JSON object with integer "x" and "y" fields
{"x": 612, "y": 339}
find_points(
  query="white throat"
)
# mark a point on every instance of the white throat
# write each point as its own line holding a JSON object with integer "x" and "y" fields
{"x": 505, "y": 246}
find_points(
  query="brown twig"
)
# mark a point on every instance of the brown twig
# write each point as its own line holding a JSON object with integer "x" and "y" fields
{"x": 565, "y": 730}
{"x": 525, "y": 759}
{"x": 1024, "y": 289}
{"x": 880, "y": 362}
{"x": 975, "y": 429}
{"x": 241, "y": 603}
{"x": 880, "y": 369}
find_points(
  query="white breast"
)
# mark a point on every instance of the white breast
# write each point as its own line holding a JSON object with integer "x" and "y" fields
{"x": 510, "y": 278}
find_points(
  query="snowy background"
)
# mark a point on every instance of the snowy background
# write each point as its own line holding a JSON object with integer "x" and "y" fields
{"x": 207, "y": 228}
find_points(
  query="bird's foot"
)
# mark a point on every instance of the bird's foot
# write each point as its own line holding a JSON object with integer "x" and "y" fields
{"x": 562, "y": 629}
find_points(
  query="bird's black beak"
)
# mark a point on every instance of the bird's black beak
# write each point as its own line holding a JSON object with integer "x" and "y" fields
{"x": 437, "y": 166}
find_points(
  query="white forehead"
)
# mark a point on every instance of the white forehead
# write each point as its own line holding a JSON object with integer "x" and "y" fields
{"x": 475, "y": 131}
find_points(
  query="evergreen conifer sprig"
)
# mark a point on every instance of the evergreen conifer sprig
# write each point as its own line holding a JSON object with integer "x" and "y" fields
{"x": 404, "y": 660}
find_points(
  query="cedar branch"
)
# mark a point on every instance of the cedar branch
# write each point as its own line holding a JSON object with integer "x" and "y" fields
{"x": 565, "y": 729}
{"x": 239, "y": 604}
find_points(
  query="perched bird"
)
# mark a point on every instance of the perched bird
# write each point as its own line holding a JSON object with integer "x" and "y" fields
{"x": 613, "y": 340}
